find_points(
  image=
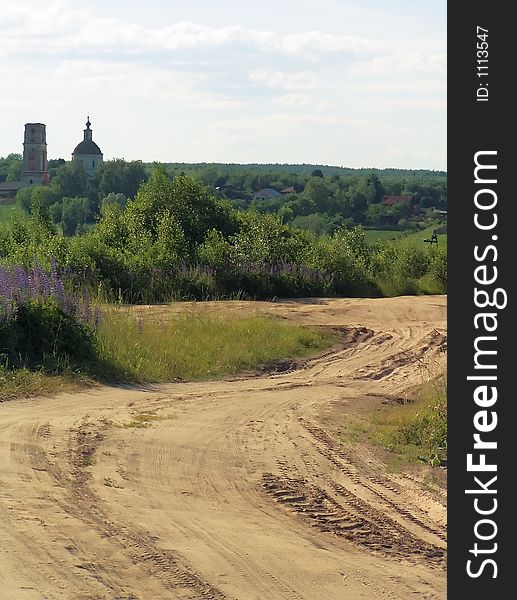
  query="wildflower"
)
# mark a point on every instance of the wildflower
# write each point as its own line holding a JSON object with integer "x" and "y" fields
{"x": 87, "y": 308}
{"x": 97, "y": 317}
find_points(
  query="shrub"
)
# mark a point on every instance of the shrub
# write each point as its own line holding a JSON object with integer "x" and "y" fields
{"x": 41, "y": 324}
{"x": 42, "y": 334}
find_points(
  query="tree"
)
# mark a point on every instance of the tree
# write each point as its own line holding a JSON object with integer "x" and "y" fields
{"x": 120, "y": 177}
{"x": 374, "y": 213}
{"x": 360, "y": 196}
{"x": 319, "y": 223}
{"x": 41, "y": 216}
{"x": 373, "y": 180}
{"x": 46, "y": 194}
{"x": 11, "y": 167}
{"x": 402, "y": 209}
{"x": 75, "y": 212}
{"x": 208, "y": 176}
{"x": 301, "y": 205}
{"x": 265, "y": 239}
{"x": 113, "y": 198}
{"x": 194, "y": 209}
{"x": 321, "y": 193}
{"x": 317, "y": 173}
{"x": 71, "y": 179}
{"x": 53, "y": 166}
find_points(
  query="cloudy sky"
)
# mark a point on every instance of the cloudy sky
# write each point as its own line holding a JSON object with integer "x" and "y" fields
{"x": 357, "y": 83}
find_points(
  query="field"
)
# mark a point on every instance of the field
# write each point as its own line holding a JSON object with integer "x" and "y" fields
{"x": 425, "y": 234}
{"x": 231, "y": 488}
{"x": 381, "y": 235}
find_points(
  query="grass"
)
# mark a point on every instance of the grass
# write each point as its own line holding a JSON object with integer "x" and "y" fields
{"x": 413, "y": 432}
{"x": 425, "y": 234}
{"x": 142, "y": 420}
{"x": 381, "y": 235}
{"x": 200, "y": 345}
{"x": 24, "y": 382}
{"x": 186, "y": 346}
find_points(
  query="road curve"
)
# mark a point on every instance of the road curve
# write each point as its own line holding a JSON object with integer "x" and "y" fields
{"x": 230, "y": 489}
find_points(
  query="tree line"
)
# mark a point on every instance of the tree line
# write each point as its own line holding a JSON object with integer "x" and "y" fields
{"x": 176, "y": 238}
{"x": 319, "y": 199}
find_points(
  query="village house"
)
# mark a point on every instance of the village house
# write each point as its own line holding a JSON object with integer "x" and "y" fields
{"x": 266, "y": 194}
{"x": 392, "y": 200}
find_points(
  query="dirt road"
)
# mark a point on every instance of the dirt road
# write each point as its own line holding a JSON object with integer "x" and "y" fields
{"x": 227, "y": 490}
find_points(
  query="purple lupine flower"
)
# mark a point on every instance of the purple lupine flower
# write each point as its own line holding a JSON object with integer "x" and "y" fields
{"x": 5, "y": 284}
{"x": 97, "y": 317}
{"x": 70, "y": 305}
{"x": 20, "y": 281}
{"x": 44, "y": 283}
{"x": 18, "y": 286}
{"x": 87, "y": 308}
{"x": 60, "y": 292}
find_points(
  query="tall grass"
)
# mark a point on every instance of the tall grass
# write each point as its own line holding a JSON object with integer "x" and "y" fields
{"x": 199, "y": 345}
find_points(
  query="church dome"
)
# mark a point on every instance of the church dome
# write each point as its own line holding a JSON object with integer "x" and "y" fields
{"x": 88, "y": 153}
{"x": 87, "y": 147}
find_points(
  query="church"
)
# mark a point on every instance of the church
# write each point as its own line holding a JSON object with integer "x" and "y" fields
{"x": 87, "y": 152}
{"x": 34, "y": 169}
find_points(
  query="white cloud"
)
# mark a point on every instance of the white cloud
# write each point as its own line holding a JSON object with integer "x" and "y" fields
{"x": 296, "y": 100}
{"x": 302, "y": 80}
{"x": 63, "y": 27}
{"x": 203, "y": 85}
{"x": 403, "y": 63}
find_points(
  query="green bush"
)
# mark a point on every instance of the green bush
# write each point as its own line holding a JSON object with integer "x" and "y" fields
{"x": 42, "y": 334}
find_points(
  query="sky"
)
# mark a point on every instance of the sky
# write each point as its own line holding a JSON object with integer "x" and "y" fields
{"x": 350, "y": 83}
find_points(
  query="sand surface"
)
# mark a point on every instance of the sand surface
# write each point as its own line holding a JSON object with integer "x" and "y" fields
{"x": 234, "y": 489}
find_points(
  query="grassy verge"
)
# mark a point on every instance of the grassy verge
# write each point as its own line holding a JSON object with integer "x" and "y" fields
{"x": 199, "y": 345}
{"x": 416, "y": 431}
{"x": 185, "y": 346}
{"x": 24, "y": 382}
{"x": 413, "y": 432}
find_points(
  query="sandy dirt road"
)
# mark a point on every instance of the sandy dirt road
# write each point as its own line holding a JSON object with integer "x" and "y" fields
{"x": 233, "y": 489}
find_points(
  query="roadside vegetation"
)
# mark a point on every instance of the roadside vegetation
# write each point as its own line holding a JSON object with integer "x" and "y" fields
{"x": 198, "y": 345}
{"x": 413, "y": 431}
{"x": 136, "y": 235}
{"x": 52, "y": 339}
{"x": 176, "y": 240}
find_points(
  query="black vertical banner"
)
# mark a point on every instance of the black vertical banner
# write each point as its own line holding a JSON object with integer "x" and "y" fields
{"x": 482, "y": 249}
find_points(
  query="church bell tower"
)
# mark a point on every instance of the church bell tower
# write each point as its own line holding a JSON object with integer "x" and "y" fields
{"x": 34, "y": 170}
